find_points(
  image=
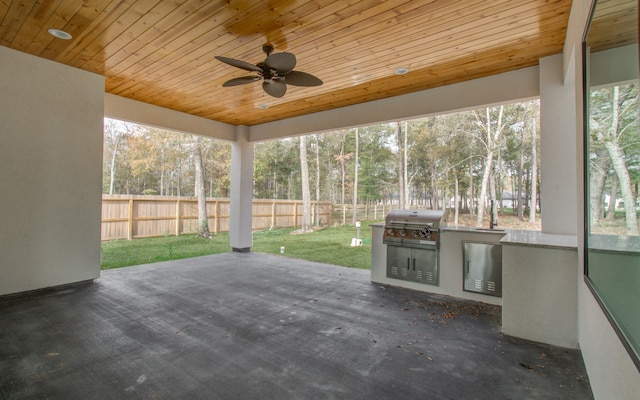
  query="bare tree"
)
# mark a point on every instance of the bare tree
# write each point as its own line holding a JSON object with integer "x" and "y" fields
{"x": 456, "y": 195}
{"x": 342, "y": 159}
{"x": 354, "y": 216}
{"x": 406, "y": 166}
{"x": 401, "y": 175}
{"x": 519, "y": 195}
{"x": 611, "y": 137}
{"x": 534, "y": 166}
{"x": 599, "y": 167}
{"x": 491, "y": 140}
{"x": 117, "y": 135}
{"x": 317, "y": 221}
{"x": 306, "y": 193}
{"x": 611, "y": 210}
{"x": 203, "y": 219}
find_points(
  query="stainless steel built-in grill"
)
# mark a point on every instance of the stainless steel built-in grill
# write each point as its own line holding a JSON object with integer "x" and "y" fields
{"x": 413, "y": 242}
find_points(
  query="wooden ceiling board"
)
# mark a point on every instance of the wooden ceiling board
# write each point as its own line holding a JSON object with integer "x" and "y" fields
{"x": 462, "y": 44}
{"x": 403, "y": 53}
{"x": 162, "y": 51}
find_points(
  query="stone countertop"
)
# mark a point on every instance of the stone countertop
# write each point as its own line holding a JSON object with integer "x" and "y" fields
{"x": 470, "y": 229}
{"x": 519, "y": 237}
{"x": 540, "y": 239}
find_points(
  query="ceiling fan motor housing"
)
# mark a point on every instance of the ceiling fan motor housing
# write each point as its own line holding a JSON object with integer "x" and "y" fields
{"x": 276, "y": 71}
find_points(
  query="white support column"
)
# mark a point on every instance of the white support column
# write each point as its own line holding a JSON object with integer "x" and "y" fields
{"x": 241, "y": 215}
{"x": 559, "y": 186}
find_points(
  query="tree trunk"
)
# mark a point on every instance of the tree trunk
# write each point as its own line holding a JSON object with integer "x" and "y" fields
{"x": 534, "y": 169}
{"x": 162, "y": 162}
{"x": 306, "y": 193}
{"x": 400, "y": 165}
{"x": 317, "y": 221}
{"x": 471, "y": 198}
{"x": 113, "y": 164}
{"x": 520, "y": 172}
{"x": 179, "y": 179}
{"x": 597, "y": 178}
{"x": 405, "y": 167}
{"x": 343, "y": 172}
{"x": 456, "y": 194}
{"x": 611, "y": 210}
{"x": 492, "y": 193}
{"x": 620, "y": 167}
{"x": 498, "y": 179}
{"x": 354, "y": 216}
{"x": 492, "y": 138}
{"x": 203, "y": 219}
{"x": 434, "y": 188}
{"x": 483, "y": 189}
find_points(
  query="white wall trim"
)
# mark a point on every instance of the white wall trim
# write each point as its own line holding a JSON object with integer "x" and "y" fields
{"x": 507, "y": 87}
{"x": 147, "y": 114}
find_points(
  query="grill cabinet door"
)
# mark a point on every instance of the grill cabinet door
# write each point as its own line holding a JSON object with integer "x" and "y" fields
{"x": 398, "y": 262}
{"x": 412, "y": 264}
{"x": 483, "y": 268}
{"x": 425, "y": 266}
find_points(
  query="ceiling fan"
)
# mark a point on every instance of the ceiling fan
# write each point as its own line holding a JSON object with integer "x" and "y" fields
{"x": 276, "y": 72}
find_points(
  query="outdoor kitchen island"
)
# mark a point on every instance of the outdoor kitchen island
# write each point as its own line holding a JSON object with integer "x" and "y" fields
{"x": 539, "y": 278}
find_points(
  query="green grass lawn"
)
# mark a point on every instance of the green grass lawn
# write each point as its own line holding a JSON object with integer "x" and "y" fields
{"x": 328, "y": 245}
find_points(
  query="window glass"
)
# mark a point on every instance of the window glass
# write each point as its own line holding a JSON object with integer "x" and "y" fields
{"x": 612, "y": 160}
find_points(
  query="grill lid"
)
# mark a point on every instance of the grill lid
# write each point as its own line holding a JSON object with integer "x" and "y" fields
{"x": 432, "y": 218}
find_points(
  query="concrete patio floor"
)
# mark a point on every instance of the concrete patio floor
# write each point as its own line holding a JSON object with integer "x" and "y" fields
{"x": 257, "y": 326}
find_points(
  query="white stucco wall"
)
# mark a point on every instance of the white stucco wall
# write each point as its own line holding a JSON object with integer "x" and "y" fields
{"x": 502, "y": 88}
{"x": 540, "y": 293}
{"x": 558, "y": 151}
{"x": 240, "y": 216}
{"x": 612, "y": 373}
{"x": 51, "y": 153}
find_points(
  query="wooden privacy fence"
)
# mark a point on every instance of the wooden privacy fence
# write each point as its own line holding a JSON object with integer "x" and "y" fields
{"x": 130, "y": 217}
{"x": 343, "y": 213}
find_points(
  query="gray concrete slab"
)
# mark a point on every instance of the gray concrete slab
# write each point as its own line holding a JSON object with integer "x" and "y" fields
{"x": 257, "y": 326}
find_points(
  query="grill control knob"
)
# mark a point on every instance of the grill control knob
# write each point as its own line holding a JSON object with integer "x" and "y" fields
{"x": 425, "y": 232}
{"x": 389, "y": 232}
{"x": 402, "y": 232}
{"x": 415, "y": 234}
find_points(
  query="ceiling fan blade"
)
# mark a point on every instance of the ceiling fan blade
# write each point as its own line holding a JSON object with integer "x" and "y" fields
{"x": 298, "y": 78}
{"x": 274, "y": 88}
{"x": 281, "y": 62}
{"x": 241, "y": 81}
{"x": 239, "y": 64}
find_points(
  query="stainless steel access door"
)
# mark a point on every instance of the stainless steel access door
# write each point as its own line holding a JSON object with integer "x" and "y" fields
{"x": 413, "y": 264}
{"x": 483, "y": 268}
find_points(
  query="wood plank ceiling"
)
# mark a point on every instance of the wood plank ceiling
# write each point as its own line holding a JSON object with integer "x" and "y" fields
{"x": 162, "y": 51}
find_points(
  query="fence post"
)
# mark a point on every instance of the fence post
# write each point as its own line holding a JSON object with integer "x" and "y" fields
{"x": 130, "y": 221}
{"x": 344, "y": 214}
{"x": 178, "y": 216}
{"x": 330, "y": 214}
{"x": 273, "y": 214}
{"x": 295, "y": 214}
{"x": 215, "y": 216}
